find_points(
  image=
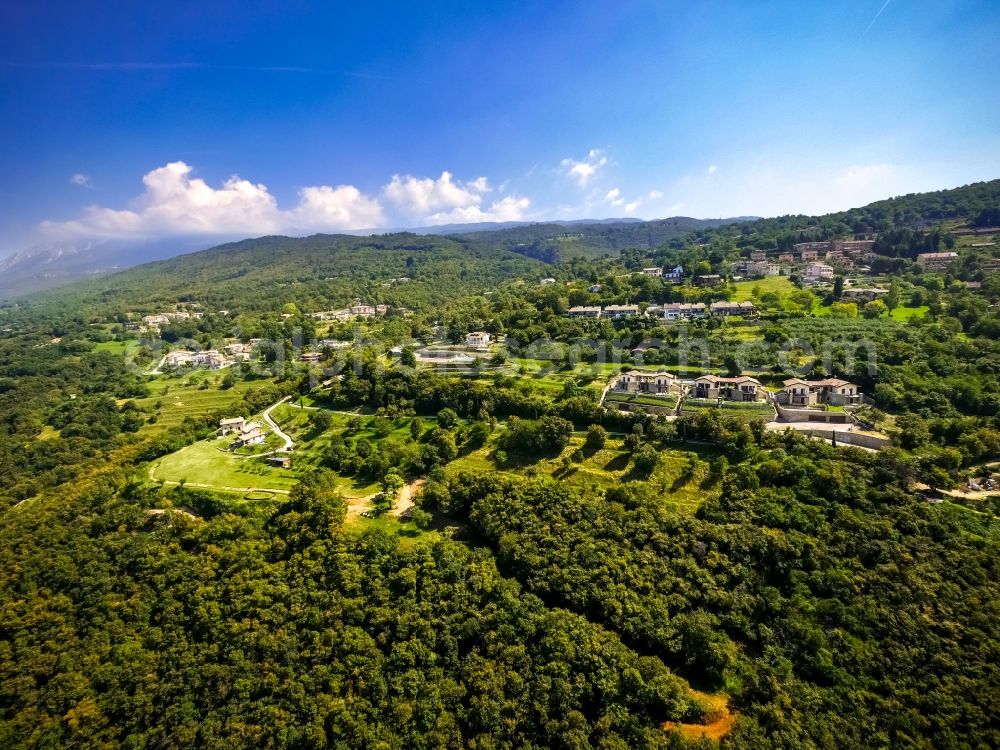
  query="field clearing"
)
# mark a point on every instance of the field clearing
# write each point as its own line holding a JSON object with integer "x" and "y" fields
{"x": 680, "y": 485}
{"x": 207, "y": 464}
{"x": 175, "y": 399}
{"x": 116, "y": 347}
{"x": 777, "y": 284}
{"x": 904, "y": 314}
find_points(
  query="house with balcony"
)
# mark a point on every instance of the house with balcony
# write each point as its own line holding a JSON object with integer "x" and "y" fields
{"x": 655, "y": 273}
{"x": 806, "y": 393}
{"x": 653, "y": 383}
{"x": 708, "y": 279}
{"x": 584, "y": 311}
{"x": 210, "y": 358}
{"x": 936, "y": 261}
{"x": 683, "y": 310}
{"x": 818, "y": 272}
{"x": 234, "y": 424}
{"x": 725, "y": 309}
{"x": 742, "y": 388}
{"x": 675, "y": 274}
{"x": 620, "y": 312}
{"x": 477, "y": 340}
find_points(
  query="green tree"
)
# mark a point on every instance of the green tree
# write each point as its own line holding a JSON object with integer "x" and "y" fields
{"x": 597, "y": 437}
{"x": 391, "y": 484}
{"x": 892, "y": 299}
{"x": 447, "y": 417}
{"x": 875, "y": 309}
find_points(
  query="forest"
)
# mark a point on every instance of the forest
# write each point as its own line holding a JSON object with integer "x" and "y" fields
{"x": 567, "y": 575}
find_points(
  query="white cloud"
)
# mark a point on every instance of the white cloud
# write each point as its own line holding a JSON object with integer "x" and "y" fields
{"x": 80, "y": 180}
{"x": 712, "y": 168}
{"x": 449, "y": 201}
{"x": 583, "y": 170}
{"x": 614, "y": 197}
{"x": 343, "y": 207}
{"x": 509, "y": 208}
{"x": 421, "y": 197}
{"x": 654, "y": 194}
{"x": 631, "y": 207}
{"x": 175, "y": 202}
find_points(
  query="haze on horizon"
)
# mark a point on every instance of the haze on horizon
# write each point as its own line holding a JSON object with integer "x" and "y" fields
{"x": 243, "y": 119}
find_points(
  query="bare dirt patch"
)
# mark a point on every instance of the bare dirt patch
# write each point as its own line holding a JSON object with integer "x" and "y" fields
{"x": 718, "y": 721}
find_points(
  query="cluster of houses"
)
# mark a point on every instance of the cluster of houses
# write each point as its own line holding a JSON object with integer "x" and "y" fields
{"x": 153, "y": 322}
{"x": 674, "y": 274}
{"x": 210, "y": 358}
{"x": 817, "y": 258}
{"x": 668, "y": 311}
{"x": 357, "y": 310}
{"x": 795, "y": 391}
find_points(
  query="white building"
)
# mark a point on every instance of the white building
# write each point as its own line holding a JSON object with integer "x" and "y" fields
{"x": 655, "y": 273}
{"x": 210, "y": 358}
{"x": 180, "y": 358}
{"x": 477, "y": 340}
{"x": 235, "y": 424}
{"x": 584, "y": 311}
{"x": 817, "y": 272}
{"x": 683, "y": 310}
{"x": 675, "y": 274}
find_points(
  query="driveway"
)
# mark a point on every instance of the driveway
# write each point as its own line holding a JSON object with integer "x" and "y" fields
{"x": 274, "y": 426}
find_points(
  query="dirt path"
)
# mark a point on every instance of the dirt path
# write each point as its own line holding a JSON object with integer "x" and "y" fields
{"x": 958, "y": 494}
{"x": 406, "y": 495}
{"x": 358, "y": 505}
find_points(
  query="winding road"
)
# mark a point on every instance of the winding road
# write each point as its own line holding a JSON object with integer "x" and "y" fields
{"x": 274, "y": 426}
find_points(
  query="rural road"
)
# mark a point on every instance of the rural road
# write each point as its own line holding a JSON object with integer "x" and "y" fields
{"x": 274, "y": 426}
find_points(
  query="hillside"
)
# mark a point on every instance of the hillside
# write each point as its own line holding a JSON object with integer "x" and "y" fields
{"x": 268, "y": 272}
{"x": 555, "y": 242}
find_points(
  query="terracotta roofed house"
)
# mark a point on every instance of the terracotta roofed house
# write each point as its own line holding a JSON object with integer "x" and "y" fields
{"x": 833, "y": 391}
{"x": 742, "y": 388}
{"x": 656, "y": 383}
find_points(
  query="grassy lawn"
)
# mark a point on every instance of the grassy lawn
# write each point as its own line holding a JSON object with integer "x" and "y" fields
{"x": 776, "y": 284}
{"x": 666, "y": 401}
{"x": 115, "y": 347}
{"x": 903, "y": 314}
{"x": 205, "y": 464}
{"x": 736, "y": 409}
{"x": 208, "y": 463}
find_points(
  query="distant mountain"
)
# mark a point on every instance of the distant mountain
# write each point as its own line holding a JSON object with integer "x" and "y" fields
{"x": 418, "y": 272}
{"x": 557, "y": 241}
{"x": 54, "y": 264}
{"x": 492, "y": 226}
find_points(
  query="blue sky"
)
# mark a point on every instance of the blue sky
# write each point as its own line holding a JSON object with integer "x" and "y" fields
{"x": 151, "y": 119}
